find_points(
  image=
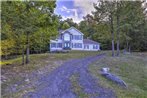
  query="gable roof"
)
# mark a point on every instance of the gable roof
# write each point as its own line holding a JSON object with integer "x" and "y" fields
{"x": 88, "y": 41}
{"x": 62, "y": 31}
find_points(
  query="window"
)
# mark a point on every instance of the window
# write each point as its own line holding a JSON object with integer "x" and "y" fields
{"x": 95, "y": 47}
{"x": 66, "y": 45}
{"x": 66, "y": 37}
{"x": 77, "y": 37}
{"x": 77, "y": 45}
{"x": 59, "y": 45}
{"x": 53, "y": 45}
{"x": 56, "y": 45}
{"x": 86, "y": 46}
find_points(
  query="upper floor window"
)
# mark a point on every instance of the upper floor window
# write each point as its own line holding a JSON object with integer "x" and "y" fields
{"x": 77, "y": 37}
{"x": 66, "y": 37}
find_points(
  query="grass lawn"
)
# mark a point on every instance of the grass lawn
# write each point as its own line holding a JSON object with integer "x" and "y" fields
{"x": 13, "y": 71}
{"x": 132, "y": 68}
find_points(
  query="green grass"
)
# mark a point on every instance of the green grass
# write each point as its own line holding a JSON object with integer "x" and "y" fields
{"x": 14, "y": 71}
{"x": 131, "y": 68}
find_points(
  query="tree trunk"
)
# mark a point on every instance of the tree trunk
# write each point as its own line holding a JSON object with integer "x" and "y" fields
{"x": 118, "y": 50}
{"x": 23, "y": 59}
{"x": 112, "y": 34}
{"x": 27, "y": 49}
{"x": 6, "y": 56}
{"x": 40, "y": 50}
{"x": 129, "y": 48}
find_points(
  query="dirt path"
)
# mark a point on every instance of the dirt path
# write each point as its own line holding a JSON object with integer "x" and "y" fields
{"x": 58, "y": 85}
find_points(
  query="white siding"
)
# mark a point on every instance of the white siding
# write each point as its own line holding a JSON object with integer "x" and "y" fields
{"x": 91, "y": 47}
{"x": 55, "y": 48}
{"x": 77, "y": 41}
{"x": 74, "y": 32}
{"x": 73, "y": 48}
{"x": 66, "y": 35}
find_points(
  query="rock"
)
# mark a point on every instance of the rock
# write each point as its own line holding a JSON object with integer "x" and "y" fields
{"x": 114, "y": 78}
{"x": 105, "y": 69}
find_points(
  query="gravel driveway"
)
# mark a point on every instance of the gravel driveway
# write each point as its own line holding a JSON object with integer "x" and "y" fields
{"x": 57, "y": 84}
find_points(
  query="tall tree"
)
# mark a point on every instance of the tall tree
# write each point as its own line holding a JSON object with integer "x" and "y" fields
{"x": 65, "y": 26}
{"x": 28, "y": 17}
{"x": 105, "y": 11}
{"x": 118, "y": 27}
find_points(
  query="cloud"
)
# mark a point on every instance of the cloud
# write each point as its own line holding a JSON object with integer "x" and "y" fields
{"x": 85, "y": 5}
{"x": 64, "y": 9}
{"x": 73, "y": 14}
{"x": 80, "y": 9}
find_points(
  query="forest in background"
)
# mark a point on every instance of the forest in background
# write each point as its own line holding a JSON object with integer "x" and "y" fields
{"x": 28, "y": 26}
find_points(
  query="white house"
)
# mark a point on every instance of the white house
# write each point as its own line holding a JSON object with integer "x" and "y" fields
{"x": 72, "y": 39}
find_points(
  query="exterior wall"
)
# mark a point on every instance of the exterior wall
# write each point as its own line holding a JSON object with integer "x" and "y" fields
{"x": 77, "y": 49}
{"x": 55, "y": 48}
{"x": 66, "y": 37}
{"x": 73, "y": 48}
{"x": 76, "y": 41}
{"x": 77, "y": 33}
{"x": 91, "y": 47}
{"x": 72, "y": 41}
{"x": 59, "y": 41}
{"x": 74, "y": 32}
{"x": 98, "y": 47}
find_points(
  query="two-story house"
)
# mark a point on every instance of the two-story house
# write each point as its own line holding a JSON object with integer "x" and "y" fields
{"x": 72, "y": 39}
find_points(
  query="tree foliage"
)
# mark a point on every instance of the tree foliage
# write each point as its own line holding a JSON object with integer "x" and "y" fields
{"x": 27, "y": 23}
{"x": 129, "y": 24}
{"x": 28, "y": 26}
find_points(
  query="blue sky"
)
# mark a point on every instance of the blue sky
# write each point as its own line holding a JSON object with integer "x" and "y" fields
{"x": 74, "y": 9}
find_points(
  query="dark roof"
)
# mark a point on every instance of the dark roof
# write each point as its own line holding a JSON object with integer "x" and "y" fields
{"x": 88, "y": 41}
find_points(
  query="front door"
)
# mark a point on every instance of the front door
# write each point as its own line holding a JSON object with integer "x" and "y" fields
{"x": 67, "y": 45}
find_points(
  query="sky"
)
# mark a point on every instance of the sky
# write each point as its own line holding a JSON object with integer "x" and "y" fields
{"x": 74, "y": 9}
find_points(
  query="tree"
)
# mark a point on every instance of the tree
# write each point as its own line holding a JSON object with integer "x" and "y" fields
{"x": 118, "y": 26}
{"x": 28, "y": 17}
{"x": 133, "y": 24}
{"x": 105, "y": 11}
{"x": 65, "y": 26}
